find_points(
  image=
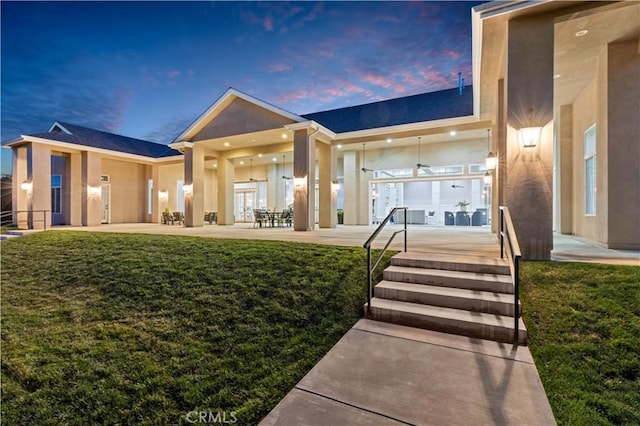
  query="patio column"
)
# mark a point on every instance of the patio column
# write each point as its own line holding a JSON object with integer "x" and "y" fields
{"x": 91, "y": 189}
{"x": 528, "y": 190}
{"x": 20, "y": 198}
{"x": 75, "y": 189}
{"x": 194, "y": 185}
{"x": 226, "y": 176}
{"x": 155, "y": 195}
{"x": 40, "y": 170}
{"x": 351, "y": 190}
{"x": 327, "y": 171}
{"x": 304, "y": 178}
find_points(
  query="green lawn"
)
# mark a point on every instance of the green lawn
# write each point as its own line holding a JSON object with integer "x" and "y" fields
{"x": 107, "y": 328}
{"x": 583, "y": 322}
{"x": 119, "y": 328}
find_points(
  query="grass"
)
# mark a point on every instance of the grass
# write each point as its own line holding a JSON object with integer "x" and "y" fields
{"x": 104, "y": 328}
{"x": 583, "y": 322}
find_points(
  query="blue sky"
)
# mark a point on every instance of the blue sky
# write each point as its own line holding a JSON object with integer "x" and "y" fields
{"x": 148, "y": 69}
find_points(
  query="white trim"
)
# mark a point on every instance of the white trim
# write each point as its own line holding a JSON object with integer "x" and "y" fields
{"x": 476, "y": 58}
{"x": 231, "y": 92}
{"x": 313, "y": 125}
{"x": 500, "y": 7}
{"x": 422, "y": 125}
{"x": 76, "y": 147}
{"x": 56, "y": 124}
{"x": 179, "y": 146}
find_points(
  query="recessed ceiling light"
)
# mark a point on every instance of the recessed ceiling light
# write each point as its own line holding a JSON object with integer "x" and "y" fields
{"x": 284, "y": 136}
{"x": 339, "y": 146}
{"x": 557, "y": 76}
{"x": 452, "y": 133}
{"x": 253, "y": 140}
{"x": 582, "y": 33}
{"x": 274, "y": 159}
{"x": 389, "y": 140}
{"x": 259, "y": 155}
{"x": 241, "y": 163}
{"x": 226, "y": 144}
{"x": 215, "y": 165}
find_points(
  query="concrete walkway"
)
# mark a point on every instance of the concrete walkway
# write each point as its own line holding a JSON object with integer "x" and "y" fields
{"x": 387, "y": 374}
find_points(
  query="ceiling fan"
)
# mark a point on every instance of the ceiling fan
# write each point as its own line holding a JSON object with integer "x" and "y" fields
{"x": 364, "y": 169}
{"x": 420, "y": 165}
{"x": 284, "y": 176}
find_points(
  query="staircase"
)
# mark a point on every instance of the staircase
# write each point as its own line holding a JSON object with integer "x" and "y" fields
{"x": 458, "y": 294}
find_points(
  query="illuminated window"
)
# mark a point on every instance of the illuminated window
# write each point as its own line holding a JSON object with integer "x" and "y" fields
{"x": 56, "y": 194}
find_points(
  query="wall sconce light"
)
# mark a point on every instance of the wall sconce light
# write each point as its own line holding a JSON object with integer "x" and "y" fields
{"x": 26, "y": 186}
{"x": 163, "y": 195}
{"x": 487, "y": 178}
{"x": 93, "y": 191}
{"x": 298, "y": 182}
{"x": 187, "y": 188}
{"x": 335, "y": 186}
{"x": 529, "y": 136}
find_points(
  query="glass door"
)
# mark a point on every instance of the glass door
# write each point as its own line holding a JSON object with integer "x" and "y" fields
{"x": 244, "y": 205}
{"x": 106, "y": 200}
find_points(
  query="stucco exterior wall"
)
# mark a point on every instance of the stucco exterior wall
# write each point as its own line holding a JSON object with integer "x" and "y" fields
{"x": 584, "y": 116}
{"x": 168, "y": 177}
{"x": 128, "y": 190}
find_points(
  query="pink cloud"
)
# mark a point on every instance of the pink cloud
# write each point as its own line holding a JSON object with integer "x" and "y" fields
{"x": 377, "y": 80}
{"x": 295, "y": 95}
{"x": 173, "y": 73}
{"x": 267, "y": 23}
{"x": 435, "y": 79}
{"x": 279, "y": 67}
{"x": 451, "y": 54}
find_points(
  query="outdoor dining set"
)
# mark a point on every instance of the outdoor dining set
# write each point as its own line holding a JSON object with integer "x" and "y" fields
{"x": 177, "y": 218}
{"x": 270, "y": 219}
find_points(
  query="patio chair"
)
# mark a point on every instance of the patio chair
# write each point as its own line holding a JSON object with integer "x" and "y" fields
{"x": 259, "y": 218}
{"x": 462, "y": 219}
{"x": 167, "y": 218}
{"x": 449, "y": 219}
{"x": 211, "y": 217}
{"x": 285, "y": 217}
{"x": 178, "y": 217}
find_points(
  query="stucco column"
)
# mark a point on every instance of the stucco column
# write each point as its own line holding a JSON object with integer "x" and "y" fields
{"x": 75, "y": 189}
{"x": 20, "y": 198}
{"x": 327, "y": 197}
{"x": 226, "y": 176}
{"x": 194, "y": 186}
{"x": 155, "y": 198}
{"x": 274, "y": 185}
{"x": 91, "y": 188}
{"x": 351, "y": 190}
{"x": 528, "y": 190}
{"x": 40, "y": 171}
{"x": 622, "y": 187}
{"x": 304, "y": 177}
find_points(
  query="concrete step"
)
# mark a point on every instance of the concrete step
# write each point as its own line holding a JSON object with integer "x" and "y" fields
{"x": 456, "y": 298}
{"x": 456, "y": 279}
{"x": 7, "y": 237}
{"x": 455, "y": 321}
{"x": 15, "y": 233}
{"x": 452, "y": 262}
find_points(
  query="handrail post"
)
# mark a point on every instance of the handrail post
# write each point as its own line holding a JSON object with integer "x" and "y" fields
{"x": 369, "y": 279}
{"x": 405, "y": 230}
{"x": 501, "y": 233}
{"x": 516, "y": 290}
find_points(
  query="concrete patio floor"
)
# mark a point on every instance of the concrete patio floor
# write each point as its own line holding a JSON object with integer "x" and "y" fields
{"x": 438, "y": 239}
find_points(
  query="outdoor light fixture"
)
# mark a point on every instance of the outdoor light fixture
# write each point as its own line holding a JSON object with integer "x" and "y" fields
{"x": 93, "y": 191}
{"x": 335, "y": 186}
{"x": 163, "y": 195}
{"x": 529, "y": 136}
{"x": 492, "y": 160}
{"x": 299, "y": 181}
{"x": 487, "y": 178}
{"x": 187, "y": 188}
{"x": 26, "y": 186}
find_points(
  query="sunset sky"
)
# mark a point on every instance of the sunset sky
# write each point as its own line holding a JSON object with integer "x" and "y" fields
{"x": 148, "y": 69}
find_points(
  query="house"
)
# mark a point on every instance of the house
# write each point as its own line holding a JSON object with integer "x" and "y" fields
{"x": 554, "y": 101}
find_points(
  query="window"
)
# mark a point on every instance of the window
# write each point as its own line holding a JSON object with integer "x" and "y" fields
{"x": 56, "y": 194}
{"x": 477, "y": 168}
{"x": 392, "y": 173}
{"x": 150, "y": 196}
{"x": 180, "y": 191}
{"x": 590, "y": 170}
{"x": 442, "y": 170}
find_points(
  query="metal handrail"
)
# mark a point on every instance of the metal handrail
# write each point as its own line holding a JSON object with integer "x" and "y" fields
{"x": 30, "y": 216}
{"x": 508, "y": 235}
{"x": 367, "y": 245}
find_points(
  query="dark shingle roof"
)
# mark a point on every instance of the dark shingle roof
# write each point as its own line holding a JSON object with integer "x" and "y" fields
{"x": 409, "y": 109}
{"x": 98, "y": 139}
